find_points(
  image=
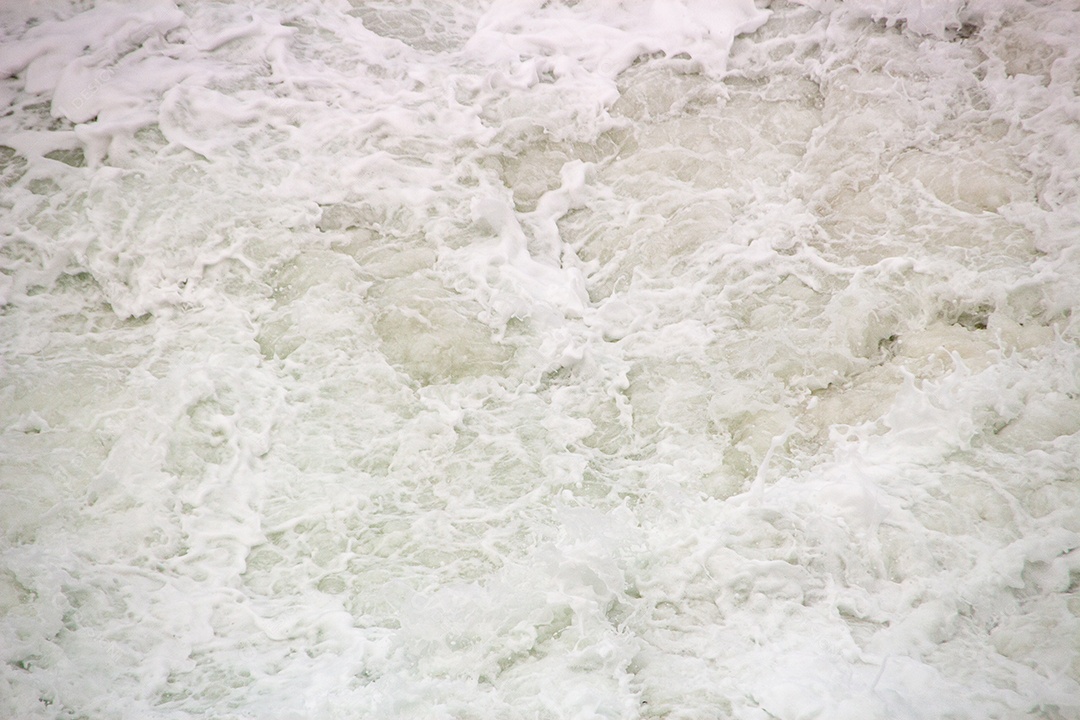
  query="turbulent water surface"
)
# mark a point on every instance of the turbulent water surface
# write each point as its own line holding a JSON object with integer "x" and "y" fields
{"x": 673, "y": 359}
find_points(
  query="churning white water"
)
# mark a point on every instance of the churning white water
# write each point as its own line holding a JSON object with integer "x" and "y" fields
{"x": 518, "y": 359}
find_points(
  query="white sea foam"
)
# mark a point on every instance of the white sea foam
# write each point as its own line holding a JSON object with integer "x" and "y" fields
{"x": 540, "y": 360}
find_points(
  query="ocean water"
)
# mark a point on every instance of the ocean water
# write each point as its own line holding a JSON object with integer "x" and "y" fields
{"x": 526, "y": 360}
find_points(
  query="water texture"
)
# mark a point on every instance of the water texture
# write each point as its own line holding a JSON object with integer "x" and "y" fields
{"x": 528, "y": 360}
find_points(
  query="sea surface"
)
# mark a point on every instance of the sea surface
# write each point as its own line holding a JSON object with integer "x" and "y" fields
{"x": 526, "y": 360}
